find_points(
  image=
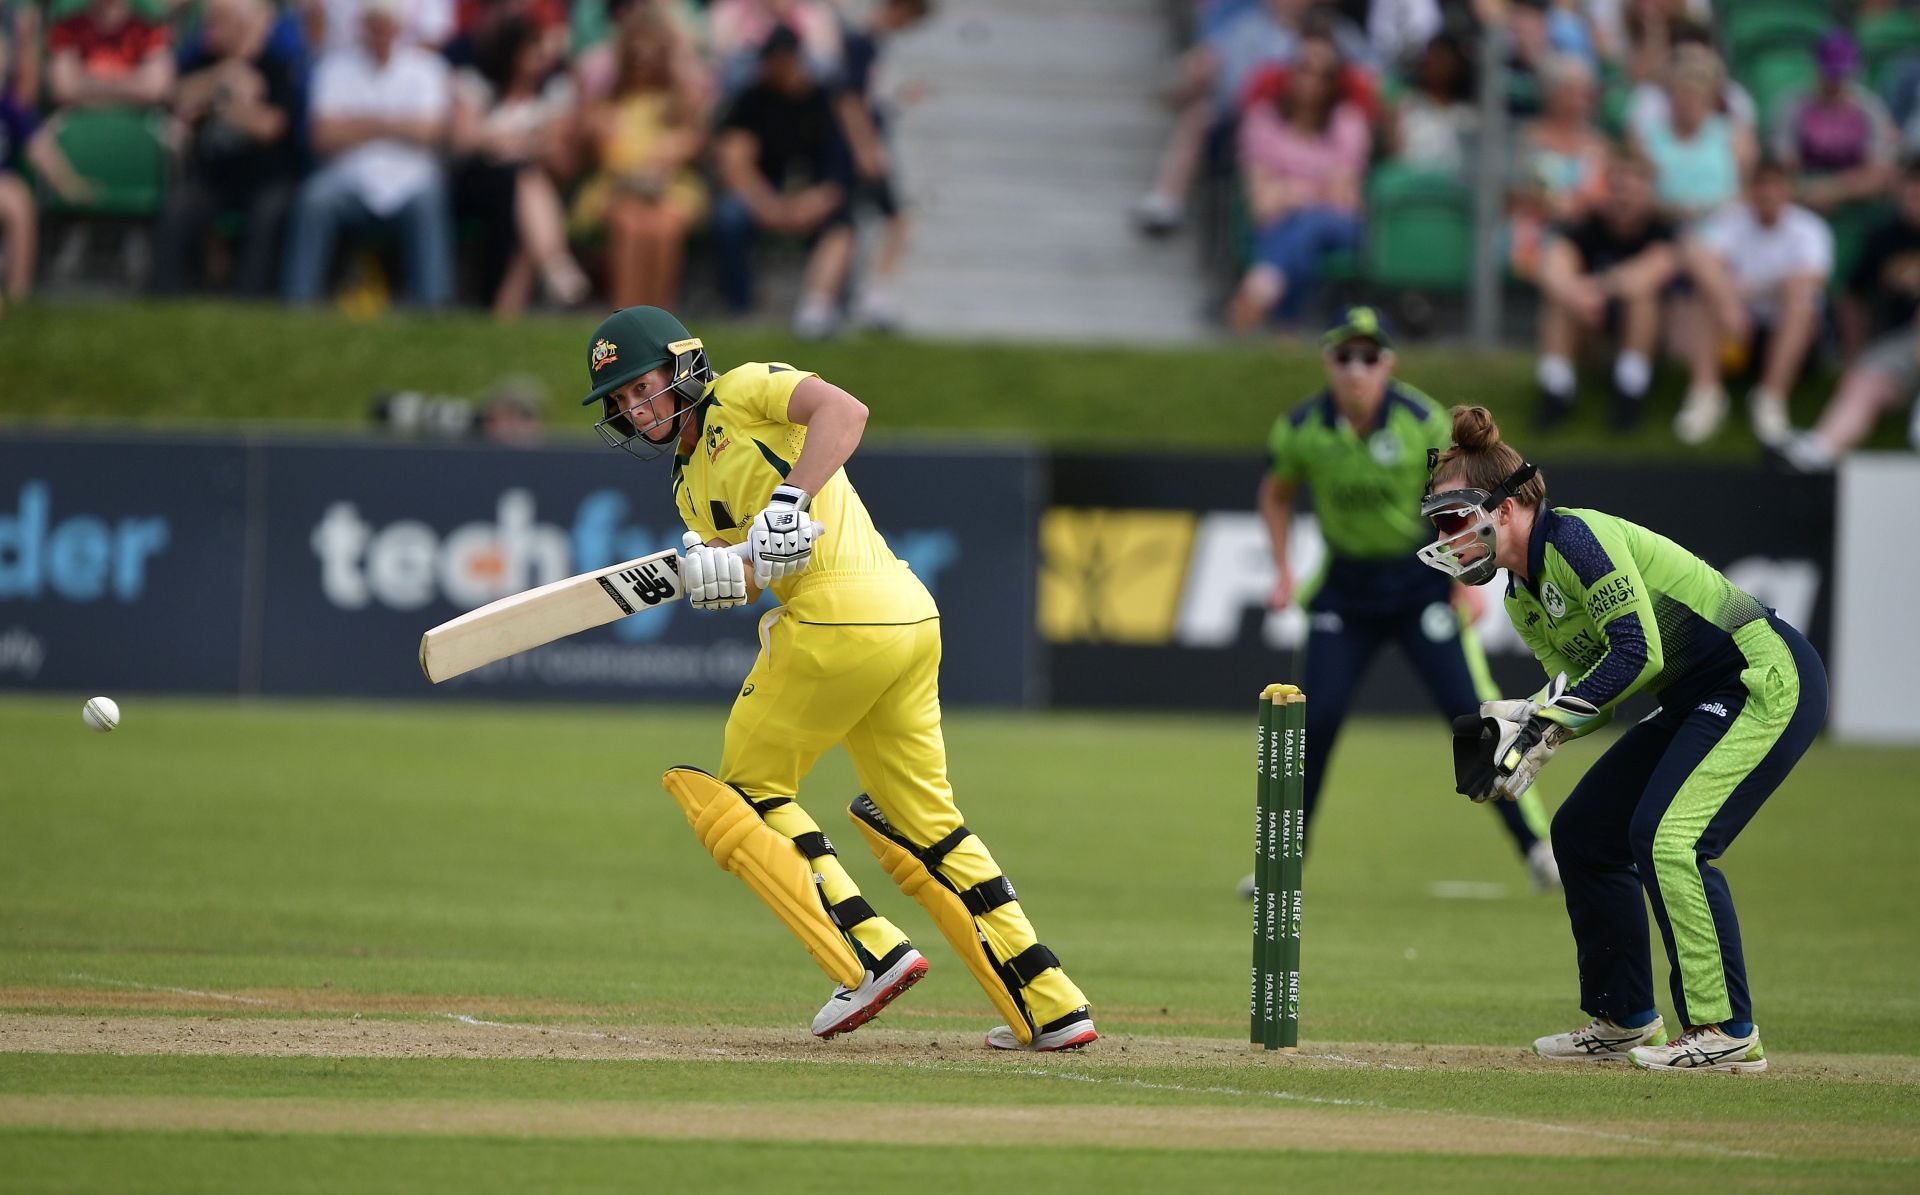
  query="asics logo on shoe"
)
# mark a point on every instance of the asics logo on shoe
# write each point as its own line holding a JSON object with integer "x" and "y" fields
{"x": 1695, "y": 1056}
{"x": 1596, "y": 1045}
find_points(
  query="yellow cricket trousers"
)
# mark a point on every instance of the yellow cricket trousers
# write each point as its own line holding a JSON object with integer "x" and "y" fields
{"x": 875, "y": 689}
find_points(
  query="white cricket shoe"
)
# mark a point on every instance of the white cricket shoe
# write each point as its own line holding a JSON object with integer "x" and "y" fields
{"x": 1599, "y": 1040}
{"x": 850, "y": 1008}
{"x": 1542, "y": 868}
{"x": 1707, "y": 1048}
{"x": 1700, "y": 415}
{"x": 1067, "y": 1033}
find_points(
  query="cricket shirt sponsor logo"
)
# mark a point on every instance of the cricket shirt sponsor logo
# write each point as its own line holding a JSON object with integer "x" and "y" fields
{"x": 1553, "y": 600}
{"x": 1612, "y": 592}
{"x": 748, "y": 690}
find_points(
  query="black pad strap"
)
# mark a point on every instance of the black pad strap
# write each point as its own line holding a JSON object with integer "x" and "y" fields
{"x": 851, "y": 912}
{"x": 933, "y": 855}
{"x": 762, "y": 807}
{"x": 813, "y": 844}
{"x": 989, "y": 895}
{"x": 1028, "y": 964}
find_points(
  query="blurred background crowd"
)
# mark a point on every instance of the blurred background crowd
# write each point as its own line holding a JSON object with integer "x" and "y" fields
{"x": 496, "y": 152}
{"x": 1736, "y": 185}
{"x": 1733, "y": 186}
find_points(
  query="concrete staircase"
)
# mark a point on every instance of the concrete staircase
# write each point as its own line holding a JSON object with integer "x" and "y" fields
{"x": 1040, "y": 128}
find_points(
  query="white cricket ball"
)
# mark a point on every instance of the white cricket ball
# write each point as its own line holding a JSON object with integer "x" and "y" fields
{"x": 101, "y": 713}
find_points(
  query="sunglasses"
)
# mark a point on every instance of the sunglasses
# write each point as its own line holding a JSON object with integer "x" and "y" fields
{"x": 1368, "y": 356}
{"x": 1450, "y": 523}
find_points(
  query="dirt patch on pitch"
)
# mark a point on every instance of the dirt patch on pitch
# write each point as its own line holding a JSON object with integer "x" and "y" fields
{"x": 477, "y": 1035}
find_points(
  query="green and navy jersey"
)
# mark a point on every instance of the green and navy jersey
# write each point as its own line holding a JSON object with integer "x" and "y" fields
{"x": 1367, "y": 484}
{"x": 1619, "y": 609}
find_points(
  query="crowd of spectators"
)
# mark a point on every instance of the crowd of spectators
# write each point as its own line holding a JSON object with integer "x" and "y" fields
{"x": 503, "y": 152}
{"x": 1711, "y": 182}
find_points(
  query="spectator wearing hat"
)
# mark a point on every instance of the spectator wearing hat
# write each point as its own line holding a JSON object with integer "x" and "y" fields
{"x": 784, "y": 167}
{"x": 1760, "y": 270}
{"x": 379, "y": 116}
{"x": 238, "y": 101}
{"x": 1839, "y": 138}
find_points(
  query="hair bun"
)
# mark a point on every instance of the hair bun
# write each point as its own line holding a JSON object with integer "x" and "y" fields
{"x": 1474, "y": 429}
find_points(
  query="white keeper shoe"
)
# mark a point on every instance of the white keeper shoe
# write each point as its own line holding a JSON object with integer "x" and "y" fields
{"x": 1066, "y": 1033}
{"x": 1599, "y": 1040}
{"x": 1707, "y": 1048}
{"x": 850, "y": 1008}
{"x": 1542, "y": 868}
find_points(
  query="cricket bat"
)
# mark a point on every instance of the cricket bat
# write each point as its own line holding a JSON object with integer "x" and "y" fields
{"x": 526, "y": 620}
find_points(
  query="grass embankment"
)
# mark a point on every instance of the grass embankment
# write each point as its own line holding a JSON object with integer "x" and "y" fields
{"x": 174, "y": 363}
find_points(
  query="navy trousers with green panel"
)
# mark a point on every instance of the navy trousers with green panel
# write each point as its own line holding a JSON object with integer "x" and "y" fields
{"x": 1660, "y": 806}
{"x": 1356, "y": 608}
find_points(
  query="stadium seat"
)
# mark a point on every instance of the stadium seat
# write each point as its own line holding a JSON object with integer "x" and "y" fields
{"x": 122, "y": 152}
{"x": 1852, "y": 224}
{"x": 1885, "y": 39}
{"x": 1753, "y": 26}
{"x": 1777, "y": 74}
{"x": 1419, "y": 230}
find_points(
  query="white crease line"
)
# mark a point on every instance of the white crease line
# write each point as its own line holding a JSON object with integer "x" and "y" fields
{"x": 148, "y": 987}
{"x": 527, "y": 1027}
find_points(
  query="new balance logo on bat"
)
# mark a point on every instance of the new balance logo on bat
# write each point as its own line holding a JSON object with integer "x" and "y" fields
{"x": 643, "y": 586}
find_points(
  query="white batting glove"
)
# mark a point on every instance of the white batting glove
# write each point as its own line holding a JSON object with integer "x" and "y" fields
{"x": 716, "y": 579}
{"x": 782, "y": 536}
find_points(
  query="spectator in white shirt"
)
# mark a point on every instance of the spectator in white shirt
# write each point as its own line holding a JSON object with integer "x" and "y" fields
{"x": 428, "y": 23}
{"x": 380, "y": 115}
{"x": 1760, "y": 271}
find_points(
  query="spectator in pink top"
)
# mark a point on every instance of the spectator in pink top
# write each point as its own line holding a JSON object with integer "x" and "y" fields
{"x": 1302, "y": 157}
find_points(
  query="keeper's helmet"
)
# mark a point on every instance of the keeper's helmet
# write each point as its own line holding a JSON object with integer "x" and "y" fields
{"x": 1463, "y": 518}
{"x": 629, "y": 343}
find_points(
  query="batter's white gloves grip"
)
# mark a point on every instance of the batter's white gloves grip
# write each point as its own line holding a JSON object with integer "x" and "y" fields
{"x": 1500, "y": 752}
{"x": 782, "y": 536}
{"x": 716, "y": 578}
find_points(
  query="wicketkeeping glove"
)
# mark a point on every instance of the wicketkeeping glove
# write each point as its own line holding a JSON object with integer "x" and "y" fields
{"x": 1499, "y": 753}
{"x": 782, "y": 536}
{"x": 716, "y": 578}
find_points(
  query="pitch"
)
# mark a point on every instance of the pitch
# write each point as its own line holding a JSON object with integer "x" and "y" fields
{"x": 317, "y": 946}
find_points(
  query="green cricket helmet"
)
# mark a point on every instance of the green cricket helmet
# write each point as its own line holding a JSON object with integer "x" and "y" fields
{"x": 632, "y": 342}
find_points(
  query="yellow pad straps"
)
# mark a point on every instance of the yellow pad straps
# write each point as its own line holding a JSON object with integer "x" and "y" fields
{"x": 949, "y": 912}
{"x": 769, "y": 863}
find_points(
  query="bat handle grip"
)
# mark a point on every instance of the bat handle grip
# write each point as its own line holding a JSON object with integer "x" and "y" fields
{"x": 745, "y": 551}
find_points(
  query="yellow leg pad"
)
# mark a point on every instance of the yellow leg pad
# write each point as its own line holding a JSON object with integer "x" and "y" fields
{"x": 950, "y": 915}
{"x": 875, "y": 933}
{"x": 768, "y": 862}
{"x": 1008, "y": 933}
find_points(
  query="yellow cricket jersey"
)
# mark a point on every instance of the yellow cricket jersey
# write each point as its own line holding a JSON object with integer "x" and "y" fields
{"x": 747, "y": 446}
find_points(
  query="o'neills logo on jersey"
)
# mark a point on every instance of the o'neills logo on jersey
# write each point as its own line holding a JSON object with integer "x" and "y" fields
{"x": 605, "y": 353}
{"x": 1553, "y": 599}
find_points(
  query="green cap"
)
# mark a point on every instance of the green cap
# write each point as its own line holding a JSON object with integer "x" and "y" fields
{"x": 1357, "y": 323}
{"x": 630, "y": 342}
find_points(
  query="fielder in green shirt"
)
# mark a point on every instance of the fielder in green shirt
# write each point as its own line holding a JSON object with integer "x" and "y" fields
{"x": 1360, "y": 446}
{"x": 1611, "y": 609}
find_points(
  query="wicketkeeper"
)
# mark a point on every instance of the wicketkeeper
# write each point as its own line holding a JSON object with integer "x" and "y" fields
{"x": 1621, "y": 609}
{"x": 850, "y": 656}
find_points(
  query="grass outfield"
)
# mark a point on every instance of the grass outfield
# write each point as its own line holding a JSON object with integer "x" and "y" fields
{"x": 175, "y": 362}
{"x": 303, "y": 946}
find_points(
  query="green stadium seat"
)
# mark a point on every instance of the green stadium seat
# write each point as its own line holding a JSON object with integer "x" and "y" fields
{"x": 121, "y": 151}
{"x": 1885, "y": 39}
{"x": 1753, "y": 26}
{"x": 1419, "y": 230}
{"x": 1776, "y": 75}
{"x": 1852, "y": 224}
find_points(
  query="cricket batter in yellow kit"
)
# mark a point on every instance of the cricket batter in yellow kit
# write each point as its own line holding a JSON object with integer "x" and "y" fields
{"x": 850, "y": 656}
